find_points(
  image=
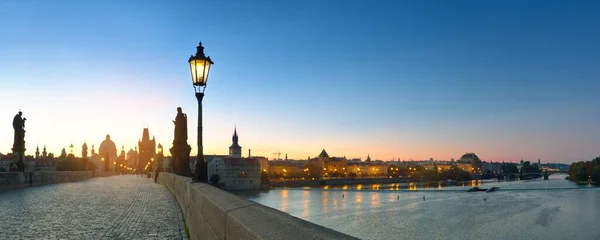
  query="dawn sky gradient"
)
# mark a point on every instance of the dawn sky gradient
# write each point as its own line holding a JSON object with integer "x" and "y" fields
{"x": 508, "y": 80}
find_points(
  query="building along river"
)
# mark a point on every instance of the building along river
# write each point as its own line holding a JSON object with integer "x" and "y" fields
{"x": 536, "y": 209}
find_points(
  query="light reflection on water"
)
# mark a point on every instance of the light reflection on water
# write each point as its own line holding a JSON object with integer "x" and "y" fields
{"x": 284, "y": 200}
{"x": 554, "y": 209}
{"x": 305, "y": 203}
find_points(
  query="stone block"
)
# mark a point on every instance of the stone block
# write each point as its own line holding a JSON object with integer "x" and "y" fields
{"x": 215, "y": 205}
{"x": 195, "y": 222}
{"x": 260, "y": 222}
{"x": 195, "y": 194}
{"x": 209, "y": 234}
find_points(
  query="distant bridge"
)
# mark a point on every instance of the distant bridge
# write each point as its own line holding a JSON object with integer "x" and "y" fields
{"x": 532, "y": 175}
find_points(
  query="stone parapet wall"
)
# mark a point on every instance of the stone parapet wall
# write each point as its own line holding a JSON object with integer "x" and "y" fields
{"x": 16, "y": 180}
{"x": 211, "y": 213}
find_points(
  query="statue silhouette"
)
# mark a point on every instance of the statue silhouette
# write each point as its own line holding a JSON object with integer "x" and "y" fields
{"x": 19, "y": 141}
{"x": 180, "y": 126}
{"x": 180, "y": 151}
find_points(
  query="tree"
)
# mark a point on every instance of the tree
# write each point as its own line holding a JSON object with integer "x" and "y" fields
{"x": 264, "y": 178}
{"x": 596, "y": 175}
{"x": 596, "y": 160}
{"x": 530, "y": 168}
{"x": 63, "y": 153}
{"x": 578, "y": 171}
{"x": 509, "y": 168}
{"x": 455, "y": 173}
{"x": 581, "y": 173}
{"x": 214, "y": 179}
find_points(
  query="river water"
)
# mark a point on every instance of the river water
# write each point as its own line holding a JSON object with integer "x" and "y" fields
{"x": 536, "y": 209}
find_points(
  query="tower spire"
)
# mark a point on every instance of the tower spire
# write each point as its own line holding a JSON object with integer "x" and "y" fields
{"x": 235, "y": 136}
{"x": 235, "y": 150}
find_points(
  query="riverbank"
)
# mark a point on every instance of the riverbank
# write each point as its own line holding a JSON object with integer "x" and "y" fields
{"x": 355, "y": 181}
{"x": 377, "y": 185}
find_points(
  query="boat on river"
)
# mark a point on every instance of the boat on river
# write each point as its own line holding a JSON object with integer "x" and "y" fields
{"x": 477, "y": 189}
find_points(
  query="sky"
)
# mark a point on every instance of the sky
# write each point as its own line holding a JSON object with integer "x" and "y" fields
{"x": 508, "y": 80}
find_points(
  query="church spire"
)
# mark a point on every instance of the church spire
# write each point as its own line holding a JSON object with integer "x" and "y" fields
{"x": 235, "y": 150}
{"x": 44, "y": 153}
{"x": 235, "y": 136}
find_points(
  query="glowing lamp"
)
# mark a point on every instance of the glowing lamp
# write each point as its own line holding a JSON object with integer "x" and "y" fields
{"x": 199, "y": 67}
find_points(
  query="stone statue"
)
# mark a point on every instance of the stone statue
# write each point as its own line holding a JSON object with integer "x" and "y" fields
{"x": 180, "y": 152}
{"x": 19, "y": 141}
{"x": 84, "y": 150}
{"x": 180, "y": 125}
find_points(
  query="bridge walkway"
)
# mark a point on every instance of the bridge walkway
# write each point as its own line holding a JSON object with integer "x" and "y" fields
{"x": 118, "y": 207}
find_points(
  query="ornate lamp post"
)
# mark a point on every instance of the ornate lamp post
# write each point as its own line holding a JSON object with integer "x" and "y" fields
{"x": 199, "y": 68}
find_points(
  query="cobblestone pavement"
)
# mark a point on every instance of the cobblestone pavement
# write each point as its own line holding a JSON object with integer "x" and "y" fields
{"x": 118, "y": 207}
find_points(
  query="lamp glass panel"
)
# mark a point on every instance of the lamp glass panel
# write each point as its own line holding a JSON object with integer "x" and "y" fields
{"x": 199, "y": 69}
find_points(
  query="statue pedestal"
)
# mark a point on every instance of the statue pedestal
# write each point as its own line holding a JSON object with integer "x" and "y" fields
{"x": 181, "y": 158}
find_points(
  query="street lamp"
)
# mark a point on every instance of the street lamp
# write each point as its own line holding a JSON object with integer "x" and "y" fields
{"x": 199, "y": 68}
{"x": 103, "y": 164}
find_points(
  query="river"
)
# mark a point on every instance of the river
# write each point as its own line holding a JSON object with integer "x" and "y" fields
{"x": 534, "y": 209}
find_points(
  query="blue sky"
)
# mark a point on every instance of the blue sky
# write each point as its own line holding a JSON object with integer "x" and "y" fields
{"x": 393, "y": 79}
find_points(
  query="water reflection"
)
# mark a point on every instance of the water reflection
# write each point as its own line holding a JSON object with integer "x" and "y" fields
{"x": 548, "y": 206}
{"x": 284, "y": 200}
{"x": 374, "y": 199}
{"x": 335, "y": 203}
{"x": 344, "y": 202}
{"x": 324, "y": 201}
{"x": 305, "y": 204}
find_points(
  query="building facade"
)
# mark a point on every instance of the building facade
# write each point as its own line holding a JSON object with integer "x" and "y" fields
{"x": 147, "y": 152}
{"x": 108, "y": 154}
{"x": 239, "y": 173}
